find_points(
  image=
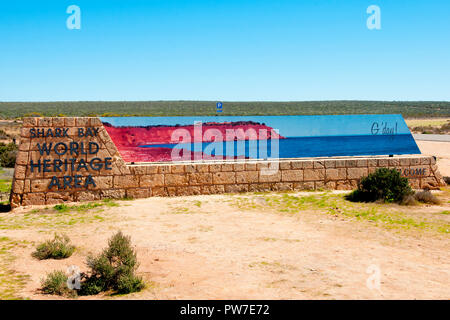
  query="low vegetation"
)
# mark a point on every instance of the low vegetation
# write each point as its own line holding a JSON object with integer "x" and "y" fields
{"x": 57, "y": 248}
{"x": 11, "y": 281}
{"x": 60, "y": 217}
{"x": 56, "y": 283}
{"x": 8, "y": 153}
{"x": 426, "y": 196}
{"x": 113, "y": 270}
{"x": 386, "y": 215}
{"x": 196, "y": 108}
{"x": 61, "y": 208}
{"x": 430, "y": 129}
{"x": 383, "y": 185}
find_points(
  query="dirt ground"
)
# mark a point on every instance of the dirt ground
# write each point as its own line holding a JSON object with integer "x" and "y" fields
{"x": 241, "y": 247}
{"x": 439, "y": 149}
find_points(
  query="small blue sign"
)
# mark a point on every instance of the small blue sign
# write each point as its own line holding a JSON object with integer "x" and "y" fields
{"x": 219, "y": 106}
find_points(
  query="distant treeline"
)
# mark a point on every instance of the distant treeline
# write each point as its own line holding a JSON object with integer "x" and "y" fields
{"x": 408, "y": 109}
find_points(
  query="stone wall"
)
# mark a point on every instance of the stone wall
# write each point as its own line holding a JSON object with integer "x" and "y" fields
{"x": 86, "y": 165}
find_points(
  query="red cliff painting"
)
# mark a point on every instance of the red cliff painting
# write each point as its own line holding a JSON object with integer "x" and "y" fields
{"x": 146, "y": 143}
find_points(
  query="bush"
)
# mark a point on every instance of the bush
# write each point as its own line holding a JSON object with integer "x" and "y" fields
{"x": 58, "y": 248}
{"x": 56, "y": 283}
{"x": 384, "y": 184}
{"x": 447, "y": 180}
{"x": 114, "y": 269}
{"x": 409, "y": 200}
{"x": 426, "y": 197}
{"x": 8, "y": 153}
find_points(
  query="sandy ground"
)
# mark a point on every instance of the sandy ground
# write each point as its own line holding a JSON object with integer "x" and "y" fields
{"x": 439, "y": 149}
{"x": 205, "y": 247}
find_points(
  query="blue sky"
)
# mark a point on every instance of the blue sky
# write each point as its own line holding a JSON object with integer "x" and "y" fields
{"x": 224, "y": 50}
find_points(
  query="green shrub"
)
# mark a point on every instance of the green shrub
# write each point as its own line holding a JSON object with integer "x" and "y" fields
{"x": 384, "y": 184}
{"x": 56, "y": 283}
{"x": 57, "y": 248}
{"x": 113, "y": 269}
{"x": 8, "y": 153}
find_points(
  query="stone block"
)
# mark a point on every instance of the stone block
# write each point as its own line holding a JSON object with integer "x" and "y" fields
{"x": 22, "y": 158}
{"x": 361, "y": 163}
{"x": 176, "y": 180}
{"x": 224, "y": 177}
{"x": 103, "y": 182}
{"x": 236, "y": 188}
{"x": 159, "y": 192}
{"x": 350, "y": 163}
{"x": 404, "y": 162}
{"x": 304, "y": 186}
{"x": 313, "y": 174}
{"x": 343, "y": 185}
{"x": 309, "y": 164}
{"x": 372, "y": 162}
{"x": 126, "y": 181}
{"x": 138, "y": 193}
{"x": 45, "y": 122}
{"x": 383, "y": 163}
{"x": 318, "y": 164}
{"x": 247, "y": 177}
{"x": 86, "y": 196}
{"x": 259, "y": 187}
{"x": 188, "y": 191}
{"x": 200, "y": 178}
{"x": 82, "y": 122}
{"x": 214, "y": 189}
{"x": 18, "y": 186}
{"x": 30, "y": 199}
{"x": 69, "y": 122}
{"x": 58, "y": 122}
{"x": 357, "y": 173}
{"x": 226, "y": 167}
{"x": 285, "y": 165}
{"x": 29, "y": 122}
{"x": 275, "y": 177}
{"x": 394, "y": 162}
{"x": 177, "y": 168}
{"x": 330, "y": 185}
{"x": 202, "y": 167}
{"x": 20, "y": 172}
{"x": 40, "y": 185}
{"x": 58, "y": 197}
{"x": 429, "y": 183}
{"x": 292, "y": 175}
{"x": 330, "y": 163}
{"x": 113, "y": 194}
{"x": 282, "y": 186}
{"x": 336, "y": 174}
{"x": 215, "y": 167}
{"x": 340, "y": 163}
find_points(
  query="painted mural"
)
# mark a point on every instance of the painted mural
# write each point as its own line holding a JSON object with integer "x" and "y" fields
{"x": 168, "y": 139}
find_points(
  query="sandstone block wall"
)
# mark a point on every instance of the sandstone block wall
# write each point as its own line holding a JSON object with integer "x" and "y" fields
{"x": 98, "y": 171}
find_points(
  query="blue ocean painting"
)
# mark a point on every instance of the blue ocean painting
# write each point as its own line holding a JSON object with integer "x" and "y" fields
{"x": 299, "y": 136}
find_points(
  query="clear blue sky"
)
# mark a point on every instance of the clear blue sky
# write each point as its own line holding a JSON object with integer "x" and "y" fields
{"x": 231, "y": 50}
